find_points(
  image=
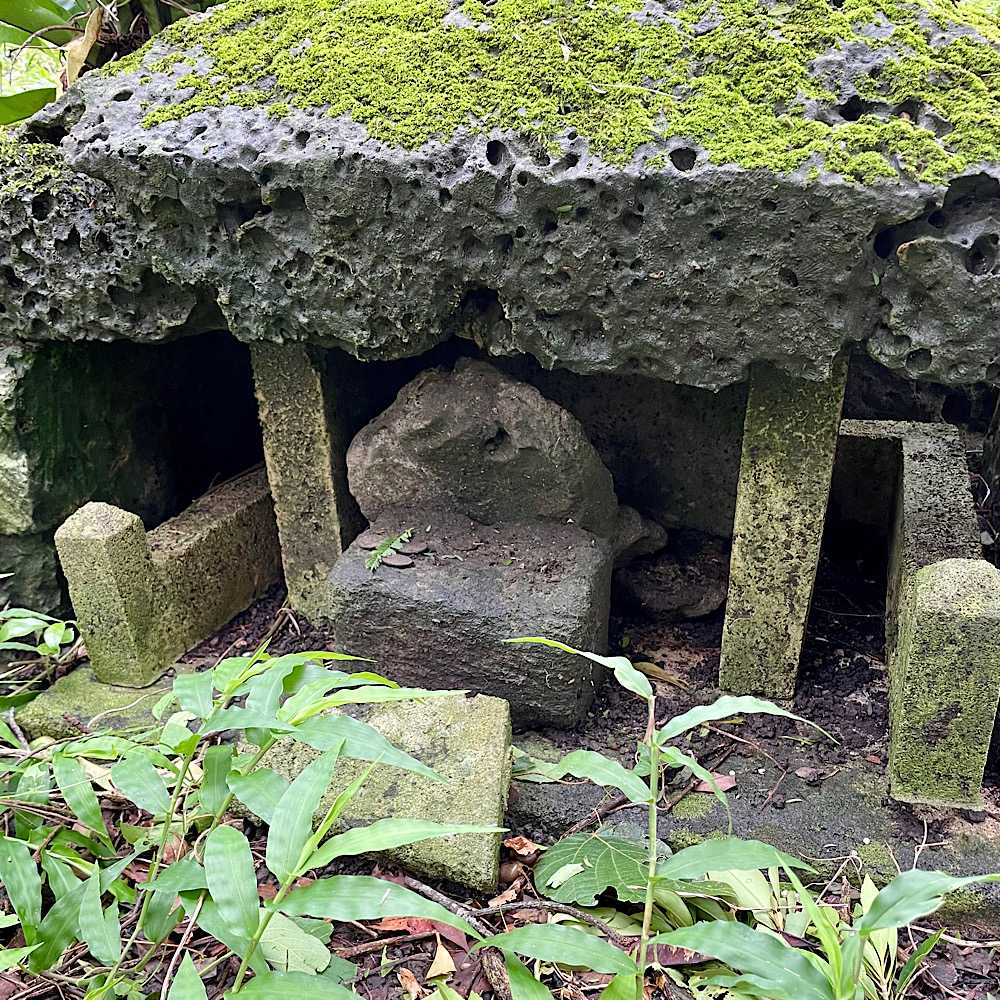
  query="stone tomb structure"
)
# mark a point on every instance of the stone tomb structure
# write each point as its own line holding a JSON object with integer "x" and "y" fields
{"x": 665, "y": 263}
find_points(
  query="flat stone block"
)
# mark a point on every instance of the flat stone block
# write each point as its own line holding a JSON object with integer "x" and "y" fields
{"x": 789, "y": 442}
{"x": 441, "y": 623}
{"x": 79, "y": 703}
{"x": 945, "y": 682}
{"x": 464, "y": 740}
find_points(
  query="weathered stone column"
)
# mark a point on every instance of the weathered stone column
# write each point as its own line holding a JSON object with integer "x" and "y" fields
{"x": 789, "y": 443}
{"x": 306, "y": 453}
{"x": 106, "y": 558}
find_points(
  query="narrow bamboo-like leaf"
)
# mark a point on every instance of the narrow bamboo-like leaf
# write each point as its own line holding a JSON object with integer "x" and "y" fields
{"x": 594, "y": 767}
{"x": 162, "y": 916}
{"x": 914, "y": 962}
{"x": 23, "y": 884}
{"x": 914, "y": 894}
{"x": 17, "y": 107}
{"x": 368, "y": 695}
{"x": 724, "y": 708}
{"x": 291, "y": 825}
{"x": 787, "y": 973}
{"x": 361, "y": 742}
{"x": 727, "y": 854}
{"x": 194, "y": 693}
{"x": 187, "y": 984}
{"x": 622, "y": 987}
{"x": 11, "y": 957}
{"x": 288, "y": 948}
{"x": 363, "y": 897}
{"x": 283, "y": 985}
{"x": 232, "y": 882}
{"x": 140, "y": 782}
{"x": 559, "y": 943}
{"x": 523, "y": 985}
{"x": 386, "y": 834}
{"x": 214, "y": 786}
{"x": 98, "y": 928}
{"x": 260, "y": 791}
{"x": 626, "y": 674}
{"x": 180, "y": 876}
{"x": 210, "y": 921}
{"x": 79, "y": 793}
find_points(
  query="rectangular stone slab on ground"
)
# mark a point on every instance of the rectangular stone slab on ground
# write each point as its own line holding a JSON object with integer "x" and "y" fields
{"x": 143, "y": 599}
{"x": 441, "y": 623}
{"x": 464, "y": 740}
{"x": 789, "y": 442}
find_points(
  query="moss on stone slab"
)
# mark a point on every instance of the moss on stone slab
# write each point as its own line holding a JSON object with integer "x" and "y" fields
{"x": 28, "y": 166}
{"x": 740, "y": 78}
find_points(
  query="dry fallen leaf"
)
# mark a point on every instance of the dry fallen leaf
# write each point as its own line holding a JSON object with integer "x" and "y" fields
{"x": 409, "y": 983}
{"x": 79, "y": 48}
{"x": 523, "y": 847}
{"x": 725, "y": 782}
{"x": 442, "y": 964}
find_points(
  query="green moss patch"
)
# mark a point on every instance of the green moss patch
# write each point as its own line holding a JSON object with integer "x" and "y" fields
{"x": 28, "y": 166}
{"x": 733, "y": 76}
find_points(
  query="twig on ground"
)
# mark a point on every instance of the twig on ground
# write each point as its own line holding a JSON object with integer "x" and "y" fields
{"x": 554, "y": 907}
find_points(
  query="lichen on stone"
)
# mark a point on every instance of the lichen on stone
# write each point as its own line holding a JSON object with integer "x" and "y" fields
{"x": 742, "y": 79}
{"x": 28, "y": 166}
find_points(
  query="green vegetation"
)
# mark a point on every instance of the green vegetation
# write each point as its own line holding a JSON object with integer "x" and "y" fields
{"x": 730, "y": 75}
{"x": 28, "y": 165}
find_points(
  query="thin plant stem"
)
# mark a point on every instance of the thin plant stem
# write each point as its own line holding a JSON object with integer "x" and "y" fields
{"x": 654, "y": 790}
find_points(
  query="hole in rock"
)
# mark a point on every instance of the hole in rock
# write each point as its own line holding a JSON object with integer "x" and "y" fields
{"x": 683, "y": 159}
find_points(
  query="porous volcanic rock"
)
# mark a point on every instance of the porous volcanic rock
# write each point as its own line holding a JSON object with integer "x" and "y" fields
{"x": 673, "y": 189}
{"x": 478, "y": 443}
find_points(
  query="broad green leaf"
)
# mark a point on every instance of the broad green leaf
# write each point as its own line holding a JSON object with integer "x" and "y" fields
{"x": 140, "y": 782}
{"x": 79, "y": 793}
{"x": 361, "y": 742}
{"x": 211, "y": 922}
{"x": 17, "y": 107}
{"x": 787, "y": 973}
{"x": 260, "y": 791}
{"x": 565, "y": 945}
{"x": 622, "y": 987}
{"x": 288, "y": 948}
{"x": 162, "y": 915}
{"x": 187, "y": 984}
{"x": 581, "y": 867}
{"x": 386, "y": 834}
{"x": 214, "y": 787}
{"x": 724, "y": 708}
{"x": 911, "y": 895}
{"x": 23, "y": 883}
{"x": 727, "y": 854}
{"x": 284, "y": 985}
{"x": 194, "y": 693}
{"x": 524, "y": 986}
{"x": 291, "y": 825}
{"x": 594, "y": 767}
{"x": 180, "y": 876}
{"x": 99, "y": 928}
{"x": 11, "y": 957}
{"x": 60, "y": 876}
{"x": 232, "y": 883}
{"x": 363, "y": 897}
{"x": 626, "y": 674}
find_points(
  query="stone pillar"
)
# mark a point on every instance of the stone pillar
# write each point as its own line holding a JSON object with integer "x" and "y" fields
{"x": 306, "y": 455}
{"x": 106, "y": 559}
{"x": 789, "y": 443}
{"x": 945, "y": 682}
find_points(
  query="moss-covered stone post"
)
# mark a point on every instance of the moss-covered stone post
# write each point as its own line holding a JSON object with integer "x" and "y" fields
{"x": 789, "y": 443}
{"x": 945, "y": 682}
{"x": 306, "y": 455}
{"x": 105, "y": 556}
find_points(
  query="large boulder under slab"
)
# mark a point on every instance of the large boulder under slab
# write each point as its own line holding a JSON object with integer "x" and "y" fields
{"x": 466, "y": 741}
{"x": 610, "y": 189}
{"x": 478, "y": 443}
{"x": 441, "y": 622}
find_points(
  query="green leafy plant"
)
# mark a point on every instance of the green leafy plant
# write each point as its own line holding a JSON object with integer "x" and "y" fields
{"x": 187, "y": 774}
{"x": 47, "y": 636}
{"x": 383, "y": 549}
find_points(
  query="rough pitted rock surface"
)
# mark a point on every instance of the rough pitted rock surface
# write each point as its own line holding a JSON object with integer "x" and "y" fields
{"x": 478, "y": 443}
{"x": 623, "y": 188}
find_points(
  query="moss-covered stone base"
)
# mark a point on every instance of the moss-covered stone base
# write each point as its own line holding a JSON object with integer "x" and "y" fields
{"x": 79, "y": 703}
{"x": 467, "y": 742}
{"x": 789, "y": 441}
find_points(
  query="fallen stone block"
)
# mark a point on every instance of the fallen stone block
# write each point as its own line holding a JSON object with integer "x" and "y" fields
{"x": 466, "y": 741}
{"x": 143, "y": 599}
{"x": 789, "y": 442}
{"x": 441, "y": 622}
{"x": 79, "y": 703}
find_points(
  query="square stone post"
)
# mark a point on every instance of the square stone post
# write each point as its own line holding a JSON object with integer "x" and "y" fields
{"x": 305, "y": 449}
{"x": 789, "y": 443}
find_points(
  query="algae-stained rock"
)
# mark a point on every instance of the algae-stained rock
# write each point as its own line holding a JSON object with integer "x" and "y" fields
{"x": 609, "y": 187}
{"x": 945, "y": 682}
{"x": 79, "y": 703}
{"x": 441, "y": 623}
{"x": 478, "y": 443}
{"x": 34, "y": 581}
{"x": 466, "y": 741}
